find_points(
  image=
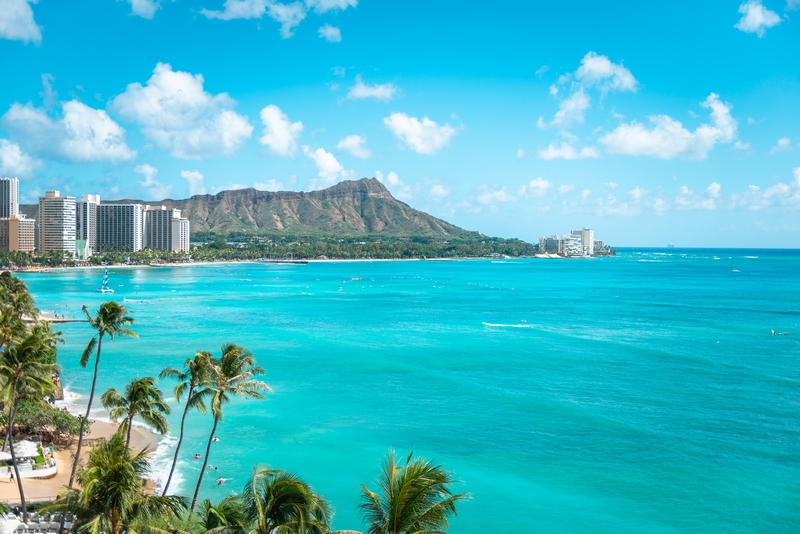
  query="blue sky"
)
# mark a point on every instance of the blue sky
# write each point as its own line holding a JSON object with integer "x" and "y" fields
{"x": 649, "y": 122}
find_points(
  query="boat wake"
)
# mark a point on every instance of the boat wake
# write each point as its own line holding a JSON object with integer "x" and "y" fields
{"x": 520, "y": 325}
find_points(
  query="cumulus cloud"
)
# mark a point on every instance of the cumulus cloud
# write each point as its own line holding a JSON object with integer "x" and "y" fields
{"x": 288, "y": 15}
{"x": 14, "y": 162}
{"x": 275, "y": 185}
{"x": 669, "y": 139}
{"x": 354, "y": 145}
{"x": 756, "y": 18}
{"x": 194, "y": 180}
{"x": 570, "y": 110}
{"x": 279, "y": 135}
{"x": 439, "y": 192}
{"x": 538, "y": 187}
{"x": 780, "y": 195}
{"x": 155, "y": 189}
{"x": 489, "y": 195}
{"x": 566, "y": 188}
{"x": 145, "y": 8}
{"x": 739, "y": 145}
{"x": 330, "y": 33}
{"x": 611, "y": 184}
{"x": 688, "y": 200}
{"x": 16, "y": 22}
{"x": 398, "y": 188}
{"x": 567, "y": 151}
{"x": 784, "y": 144}
{"x": 329, "y": 170}
{"x": 81, "y": 134}
{"x": 180, "y": 116}
{"x": 422, "y": 136}
{"x": 383, "y": 92}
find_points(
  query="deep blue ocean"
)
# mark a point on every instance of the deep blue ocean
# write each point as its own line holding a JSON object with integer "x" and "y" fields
{"x": 638, "y": 393}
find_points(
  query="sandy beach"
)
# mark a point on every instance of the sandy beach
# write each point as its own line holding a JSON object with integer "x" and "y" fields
{"x": 42, "y": 490}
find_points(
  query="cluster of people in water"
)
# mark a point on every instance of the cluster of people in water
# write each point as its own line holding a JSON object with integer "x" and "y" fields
{"x": 220, "y": 480}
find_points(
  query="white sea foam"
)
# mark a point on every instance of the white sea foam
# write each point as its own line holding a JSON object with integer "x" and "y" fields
{"x": 752, "y": 257}
{"x": 495, "y": 325}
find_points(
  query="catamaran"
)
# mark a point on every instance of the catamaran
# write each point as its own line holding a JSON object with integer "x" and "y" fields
{"x": 104, "y": 288}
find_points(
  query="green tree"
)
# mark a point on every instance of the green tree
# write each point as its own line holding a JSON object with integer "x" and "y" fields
{"x": 195, "y": 375}
{"x": 142, "y": 399}
{"x": 113, "y": 498}
{"x": 414, "y": 498}
{"x": 26, "y": 368}
{"x": 225, "y": 517}
{"x": 112, "y": 319}
{"x": 231, "y": 376}
{"x": 277, "y": 502}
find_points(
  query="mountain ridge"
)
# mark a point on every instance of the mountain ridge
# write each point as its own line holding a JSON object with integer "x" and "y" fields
{"x": 349, "y": 208}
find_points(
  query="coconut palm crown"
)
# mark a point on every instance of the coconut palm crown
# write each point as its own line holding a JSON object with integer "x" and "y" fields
{"x": 142, "y": 399}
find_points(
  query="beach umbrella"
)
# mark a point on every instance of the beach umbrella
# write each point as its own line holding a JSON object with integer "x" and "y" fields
{"x": 4, "y": 456}
{"x": 25, "y": 449}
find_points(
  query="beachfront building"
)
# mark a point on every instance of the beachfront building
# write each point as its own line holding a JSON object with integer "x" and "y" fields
{"x": 587, "y": 240}
{"x": 17, "y": 234}
{"x": 165, "y": 229}
{"x": 551, "y": 245}
{"x": 86, "y": 226}
{"x": 119, "y": 227}
{"x": 56, "y": 223}
{"x": 9, "y": 197}
{"x": 572, "y": 245}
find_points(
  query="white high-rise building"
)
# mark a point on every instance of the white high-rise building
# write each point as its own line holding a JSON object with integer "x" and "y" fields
{"x": 86, "y": 226}
{"x": 587, "y": 240}
{"x": 9, "y": 197}
{"x": 119, "y": 227}
{"x": 165, "y": 229}
{"x": 56, "y": 222}
{"x": 572, "y": 245}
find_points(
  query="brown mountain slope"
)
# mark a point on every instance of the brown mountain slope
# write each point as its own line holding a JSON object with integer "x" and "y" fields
{"x": 348, "y": 208}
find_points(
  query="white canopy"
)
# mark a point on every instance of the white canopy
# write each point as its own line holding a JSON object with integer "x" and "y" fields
{"x": 4, "y": 456}
{"x": 25, "y": 449}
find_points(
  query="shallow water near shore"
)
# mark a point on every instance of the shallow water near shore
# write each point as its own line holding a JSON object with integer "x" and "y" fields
{"x": 642, "y": 393}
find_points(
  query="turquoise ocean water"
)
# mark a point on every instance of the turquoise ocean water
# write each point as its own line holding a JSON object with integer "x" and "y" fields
{"x": 642, "y": 393}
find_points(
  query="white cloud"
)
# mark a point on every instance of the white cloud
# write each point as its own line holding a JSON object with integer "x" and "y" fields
{"x": 195, "y": 181}
{"x": 331, "y": 33}
{"x": 611, "y": 185}
{"x": 570, "y": 110}
{"x": 422, "y": 136}
{"x": 339, "y": 71}
{"x": 280, "y": 135}
{"x": 636, "y": 193}
{"x": 14, "y": 162}
{"x": 567, "y": 151}
{"x": 610, "y": 205}
{"x": 439, "y": 192}
{"x": 487, "y": 195}
{"x": 791, "y": 5}
{"x": 538, "y": 187}
{"x": 354, "y": 145}
{"x": 738, "y": 145}
{"x": 270, "y": 185}
{"x": 585, "y": 193}
{"x": 396, "y": 185}
{"x": 383, "y": 92}
{"x": 600, "y": 71}
{"x": 756, "y": 18}
{"x": 329, "y": 170}
{"x": 82, "y": 134}
{"x": 784, "y": 144}
{"x": 669, "y": 139}
{"x": 288, "y": 15}
{"x": 541, "y": 70}
{"x": 688, "y": 200}
{"x": 179, "y": 115}
{"x": 564, "y": 189}
{"x": 520, "y": 153}
{"x": 779, "y": 195}
{"x": 155, "y": 189}
{"x": 145, "y": 8}
{"x": 323, "y": 6}
{"x": 16, "y": 21}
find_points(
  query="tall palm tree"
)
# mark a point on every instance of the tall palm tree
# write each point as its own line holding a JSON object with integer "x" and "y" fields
{"x": 195, "y": 375}
{"x": 15, "y": 293}
{"x": 142, "y": 399}
{"x": 279, "y": 502}
{"x": 112, "y": 319}
{"x": 414, "y": 498}
{"x": 225, "y": 517}
{"x": 26, "y": 368}
{"x": 232, "y": 375}
{"x": 113, "y": 498}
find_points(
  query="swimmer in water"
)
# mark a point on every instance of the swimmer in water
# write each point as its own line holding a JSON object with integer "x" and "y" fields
{"x": 215, "y": 439}
{"x": 196, "y": 456}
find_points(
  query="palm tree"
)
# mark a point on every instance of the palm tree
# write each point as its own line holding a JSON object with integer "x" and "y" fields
{"x": 414, "y": 498}
{"x": 279, "y": 502}
{"x": 26, "y": 368}
{"x": 113, "y": 497}
{"x": 232, "y": 375}
{"x": 141, "y": 399}
{"x": 112, "y": 319}
{"x": 195, "y": 375}
{"x": 225, "y": 517}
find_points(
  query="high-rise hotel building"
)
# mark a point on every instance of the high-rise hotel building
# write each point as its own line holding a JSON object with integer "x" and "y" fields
{"x": 56, "y": 222}
{"x": 9, "y": 197}
{"x": 86, "y": 226}
{"x": 119, "y": 227}
{"x": 17, "y": 233}
{"x": 165, "y": 229}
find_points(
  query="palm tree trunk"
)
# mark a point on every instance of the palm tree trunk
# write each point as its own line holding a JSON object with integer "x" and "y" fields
{"x": 88, "y": 409}
{"x": 180, "y": 440}
{"x": 128, "y": 439}
{"x": 8, "y": 439}
{"x": 16, "y": 467}
{"x": 205, "y": 462}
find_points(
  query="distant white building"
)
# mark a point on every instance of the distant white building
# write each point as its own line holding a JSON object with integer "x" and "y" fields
{"x": 165, "y": 229}
{"x": 119, "y": 227}
{"x": 572, "y": 245}
{"x": 9, "y": 197}
{"x": 86, "y": 226}
{"x": 56, "y": 222}
{"x": 587, "y": 240}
